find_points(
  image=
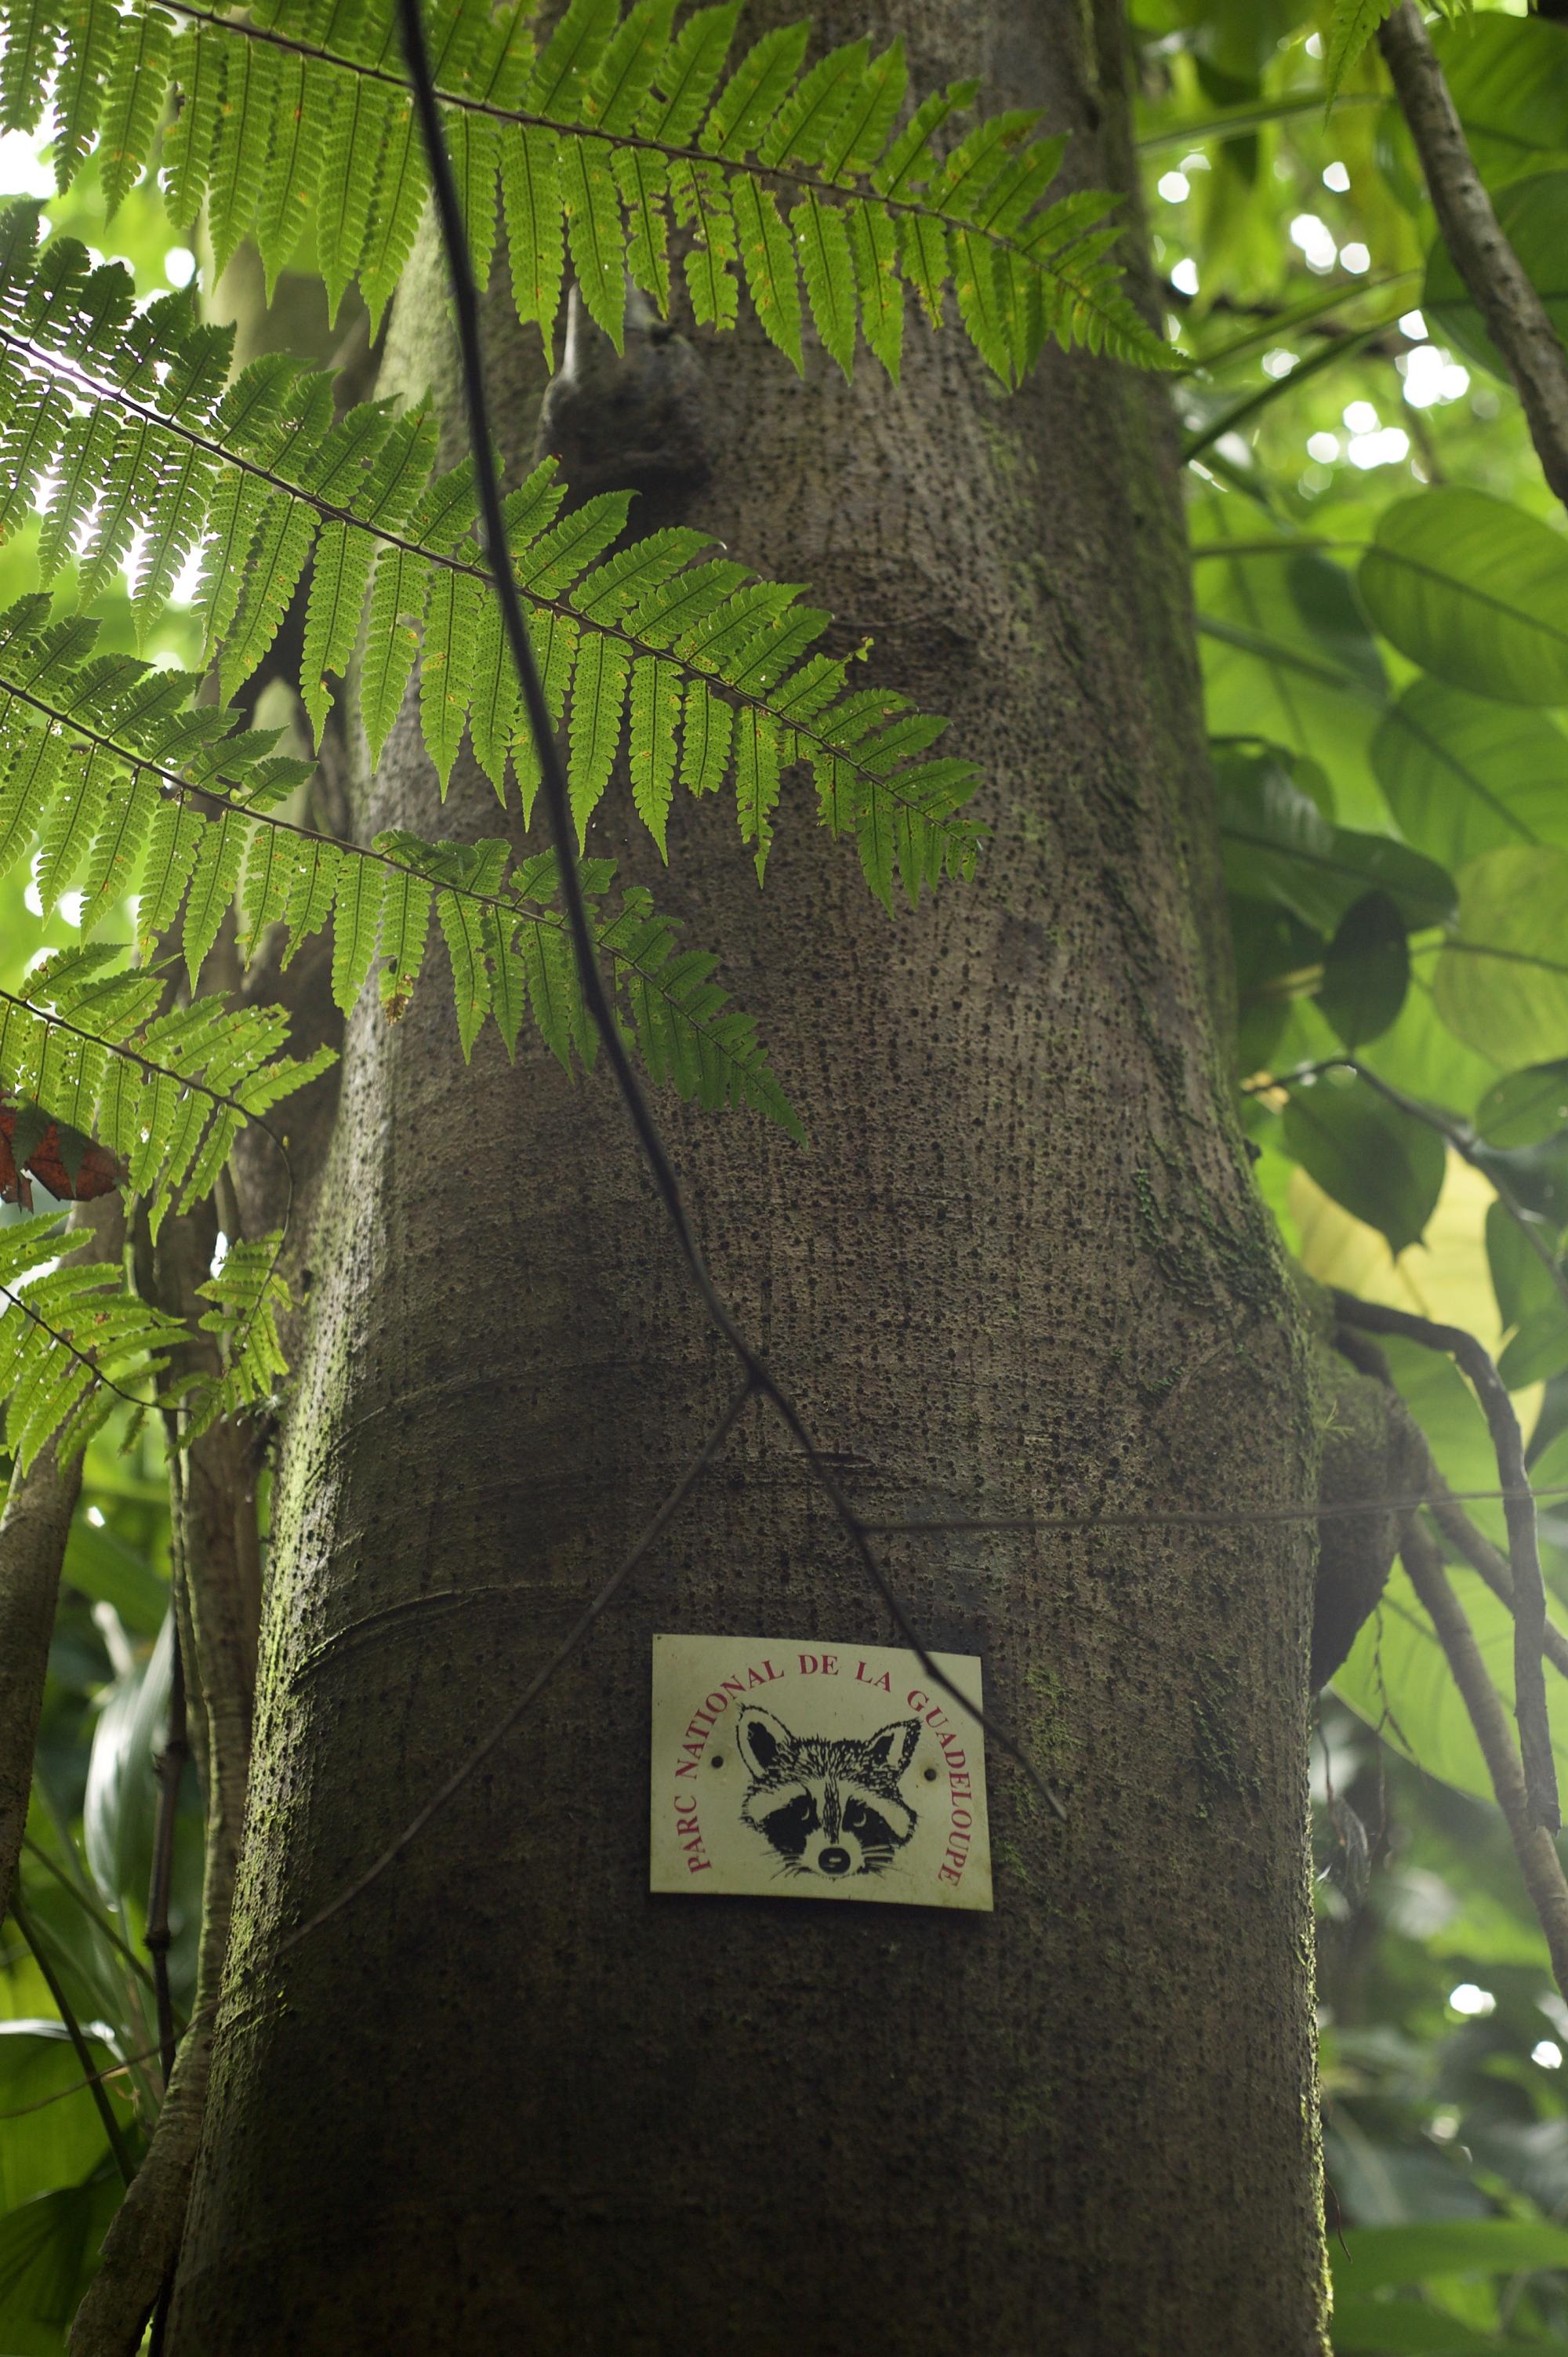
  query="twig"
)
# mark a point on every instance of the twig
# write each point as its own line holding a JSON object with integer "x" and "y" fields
{"x": 1482, "y": 1558}
{"x": 1516, "y": 318}
{"x": 1519, "y": 1509}
{"x": 1533, "y": 1845}
{"x": 94, "y": 2079}
{"x": 170, "y": 1767}
{"x": 557, "y": 800}
{"x": 1442, "y": 1502}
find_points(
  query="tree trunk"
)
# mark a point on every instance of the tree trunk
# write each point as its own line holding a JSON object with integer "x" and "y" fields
{"x": 506, "y": 2099}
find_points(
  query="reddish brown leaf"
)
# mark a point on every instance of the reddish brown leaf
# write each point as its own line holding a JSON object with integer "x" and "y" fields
{"x": 60, "y": 1159}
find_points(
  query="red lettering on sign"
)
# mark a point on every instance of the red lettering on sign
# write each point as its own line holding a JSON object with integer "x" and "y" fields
{"x": 885, "y": 1681}
{"x": 808, "y": 1665}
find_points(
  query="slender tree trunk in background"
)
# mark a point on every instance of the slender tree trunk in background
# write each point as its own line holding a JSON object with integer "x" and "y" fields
{"x": 506, "y": 2100}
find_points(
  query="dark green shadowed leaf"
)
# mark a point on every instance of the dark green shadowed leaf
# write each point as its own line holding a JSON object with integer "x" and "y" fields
{"x": 1526, "y": 1108}
{"x": 1365, "y": 972}
{"x": 1380, "y": 1165}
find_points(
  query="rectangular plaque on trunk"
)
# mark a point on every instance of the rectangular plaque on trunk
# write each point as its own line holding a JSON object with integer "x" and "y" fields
{"x": 800, "y": 1769}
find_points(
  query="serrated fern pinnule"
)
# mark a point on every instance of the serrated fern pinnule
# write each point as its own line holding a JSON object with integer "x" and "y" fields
{"x": 165, "y": 1089}
{"x": 188, "y": 818}
{"x": 73, "y": 1340}
{"x": 295, "y": 119}
{"x": 262, "y": 478}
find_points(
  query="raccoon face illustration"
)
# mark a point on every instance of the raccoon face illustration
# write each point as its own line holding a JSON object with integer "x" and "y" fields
{"x": 827, "y": 1805}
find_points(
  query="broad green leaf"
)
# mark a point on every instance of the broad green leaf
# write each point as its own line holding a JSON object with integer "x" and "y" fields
{"x": 1397, "y": 1667}
{"x": 1375, "y": 2255}
{"x": 121, "y": 1800}
{"x": 1287, "y": 658}
{"x": 60, "y": 2139}
{"x": 1501, "y": 982}
{"x": 1475, "y": 591}
{"x": 1464, "y": 775}
{"x": 1277, "y": 846}
{"x": 1508, "y": 76}
{"x": 1525, "y": 1108}
{"x": 1384, "y": 1167}
{"x": 48, "y": 2251}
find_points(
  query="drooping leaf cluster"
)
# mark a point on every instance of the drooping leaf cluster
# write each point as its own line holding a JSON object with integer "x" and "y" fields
{"x": 294, "y": 127}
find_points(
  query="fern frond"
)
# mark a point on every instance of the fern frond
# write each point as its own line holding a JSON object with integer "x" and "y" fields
{"x": 73, "y": 1340}
{"x": 188, "y": 812}
{"x": 163, "y": 1090}
{"x": 261, "y": 475}
{"x": 294, "y": 120}
{"x": 248, "y": 1294}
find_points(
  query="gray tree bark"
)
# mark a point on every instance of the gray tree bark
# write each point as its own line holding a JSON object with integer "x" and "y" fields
{"x": 507, "y": 2099}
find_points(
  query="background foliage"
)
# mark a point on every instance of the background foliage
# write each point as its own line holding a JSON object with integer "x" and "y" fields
{"x": 1379, "y": 576}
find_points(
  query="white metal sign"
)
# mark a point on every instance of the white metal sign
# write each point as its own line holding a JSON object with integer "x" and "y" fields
{"x": 799, "y": 1768}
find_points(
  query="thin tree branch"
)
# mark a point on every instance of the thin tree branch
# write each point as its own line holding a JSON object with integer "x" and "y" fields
{"x": 169, "y": 1769}
{"x": 34, "y": 1531}
{"x": 1518, "y": 1508}
{"x": 1533, "y": 1845}
{"x": 1443, "y": 1503}
{"x": 1516, "y": 317}
{"x": 557, "y": 800}
{"x": 62, "y": 2006}
{"x": 213, "y": 1501}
